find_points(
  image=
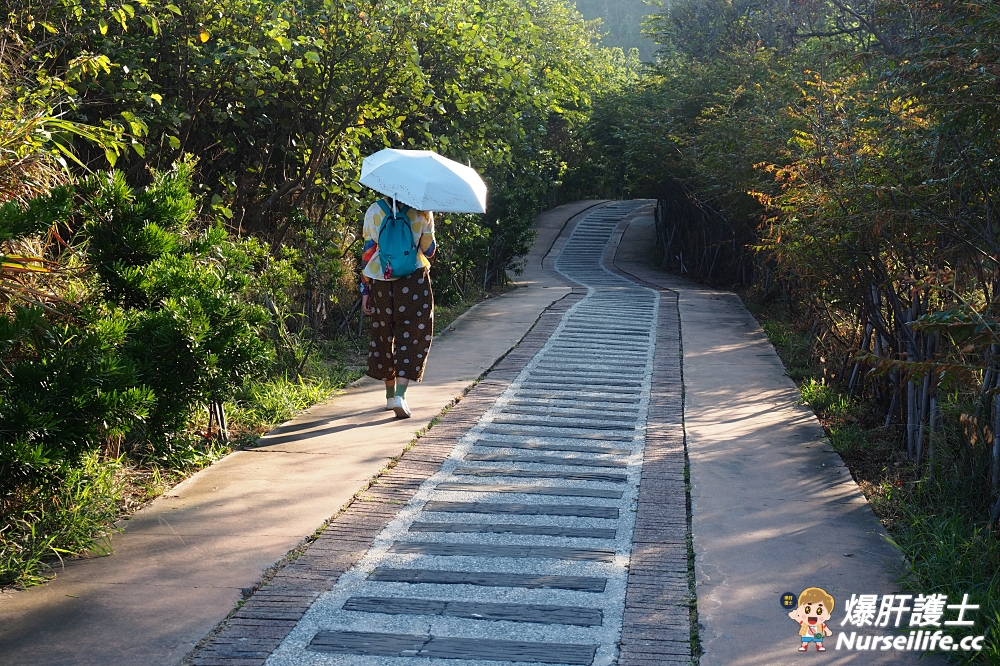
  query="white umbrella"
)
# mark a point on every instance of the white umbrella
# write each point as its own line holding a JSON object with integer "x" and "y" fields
{"x": 425, "y": 180}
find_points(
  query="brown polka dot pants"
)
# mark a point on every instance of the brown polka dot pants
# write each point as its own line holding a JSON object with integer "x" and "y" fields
{"x": 402, "y": 327}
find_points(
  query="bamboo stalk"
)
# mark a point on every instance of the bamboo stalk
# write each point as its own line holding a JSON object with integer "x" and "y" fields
{"x": 224, "y": 422}
{"x": 670, "y": 244}
{"x": 893, "y": 404}
{"x": 931, "y": 434}
{"x": 922, "y": 416}
{"x": 712, "y": 267}
{"x": 924, "y": 406}
{"x": 911, "y": 413}
{"x": 857, "y": 366}
{"x": 989, "y": 379}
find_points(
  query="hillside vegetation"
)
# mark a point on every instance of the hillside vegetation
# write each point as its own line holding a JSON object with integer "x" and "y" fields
{"x": 180, "y": 217}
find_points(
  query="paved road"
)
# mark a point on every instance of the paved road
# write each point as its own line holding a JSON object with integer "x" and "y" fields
{"x": 517, "y": 548}
{"x": 544, "y": 520}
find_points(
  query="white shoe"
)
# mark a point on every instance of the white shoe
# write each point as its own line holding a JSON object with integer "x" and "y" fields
{"x": 389, "y": 404}
{"x": 400, "y": 407}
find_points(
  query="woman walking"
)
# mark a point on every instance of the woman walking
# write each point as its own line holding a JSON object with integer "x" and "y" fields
{"x": 396, "y": 294}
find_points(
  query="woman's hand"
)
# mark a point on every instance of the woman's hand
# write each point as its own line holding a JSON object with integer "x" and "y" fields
{"x": 364, "y": 305}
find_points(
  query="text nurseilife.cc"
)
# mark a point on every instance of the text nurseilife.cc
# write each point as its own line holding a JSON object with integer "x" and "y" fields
{"x": 928, "y": 616}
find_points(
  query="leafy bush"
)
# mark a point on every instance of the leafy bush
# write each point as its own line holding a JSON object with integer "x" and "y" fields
{"x": 176, "y": 321}
{"x": 196, "y": 328}
{"x": 67, "y": 515}
{"x": 64, "y": 389}
{"x": 126, "y": 229}
{"x": 205, "y": 339}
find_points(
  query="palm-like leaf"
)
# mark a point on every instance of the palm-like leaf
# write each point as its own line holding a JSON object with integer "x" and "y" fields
{"x": 36, "y": 146}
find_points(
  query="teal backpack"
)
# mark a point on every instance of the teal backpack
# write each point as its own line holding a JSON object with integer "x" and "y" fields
{"x": 396, "y": 250}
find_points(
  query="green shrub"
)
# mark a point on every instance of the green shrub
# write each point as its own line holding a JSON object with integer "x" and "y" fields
{"x": 70, "y": 514}
{"x": 197, "y": 329}
{"x": 127, "y": 229}
{"x": 203, "y": 339}
{"x": 64, "y": 390}
{"x": 825, "y": 399}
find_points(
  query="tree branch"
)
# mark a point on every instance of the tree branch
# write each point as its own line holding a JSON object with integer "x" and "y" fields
{"x": 835, "y": 33}
{"x": 883, "y": 39}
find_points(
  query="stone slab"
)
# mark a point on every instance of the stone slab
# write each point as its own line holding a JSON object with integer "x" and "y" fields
{"x": 438, "y": 647}
{"x": 573, "y": 422}
{"x": 541, "y": 474}
{"x": 537, "y": 446}
{"x": 563, "y": 491}
{"x": 495, "y": 550}
{"x": 545, "y": 460}
{"x": 543, "y": 431}
{"x": 571, "y": 615}
{"x": 525, "y": 530}
{"x": 583, "y": 511}
{"x": 486, "y": 579}
{"x": 588, "y": 396}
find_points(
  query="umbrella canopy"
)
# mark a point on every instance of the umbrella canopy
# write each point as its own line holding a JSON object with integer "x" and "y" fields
{"x": 425, "y": 180}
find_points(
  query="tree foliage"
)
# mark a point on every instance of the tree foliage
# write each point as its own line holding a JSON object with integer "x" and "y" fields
{"x": 280, "y": 100}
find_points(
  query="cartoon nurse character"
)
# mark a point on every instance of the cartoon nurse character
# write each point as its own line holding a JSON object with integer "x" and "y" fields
{"x": 814, "y": 609}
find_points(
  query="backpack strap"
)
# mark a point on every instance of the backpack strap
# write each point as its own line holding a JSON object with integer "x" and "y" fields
{"x": 385, "y": 220}
{"x": 402, "y": 210}
{"x": 384, "y": 206}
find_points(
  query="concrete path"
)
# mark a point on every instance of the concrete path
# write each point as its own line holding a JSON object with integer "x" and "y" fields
{"x": 184, "y": 561}
{"x": 529, "y": 522}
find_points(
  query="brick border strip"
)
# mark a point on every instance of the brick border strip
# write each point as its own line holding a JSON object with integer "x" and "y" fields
{"x": 258, "y": 626}
{"x": 657, "y": 625}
